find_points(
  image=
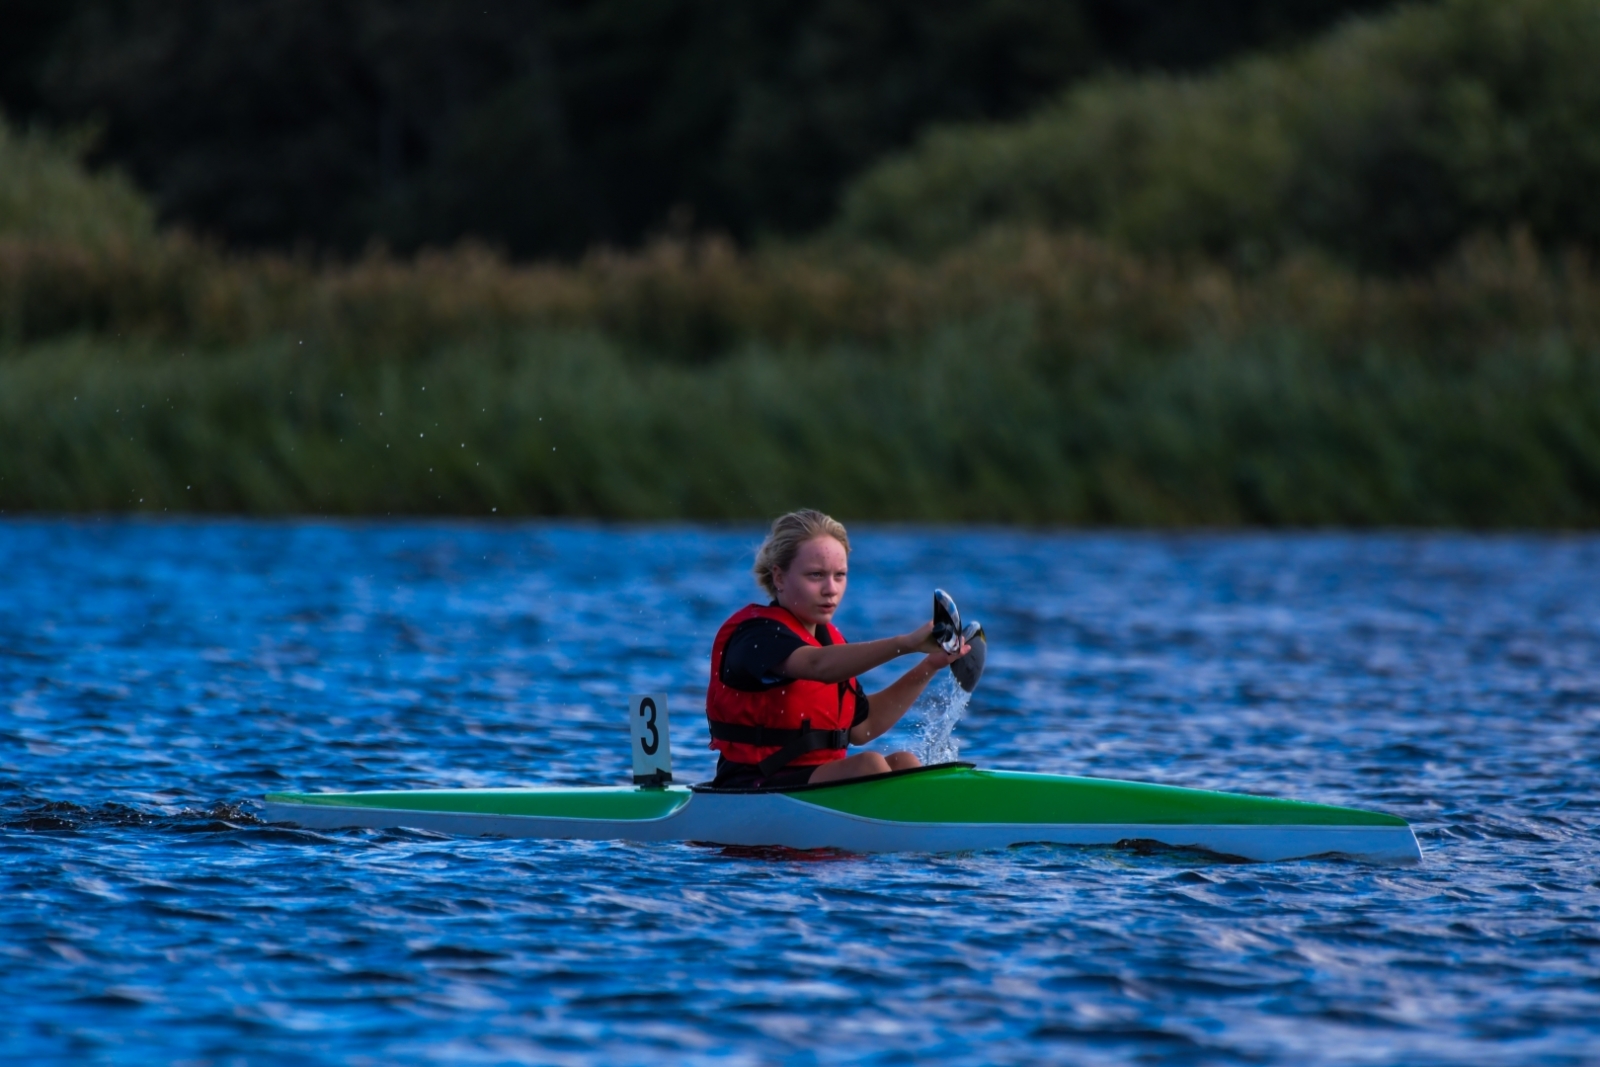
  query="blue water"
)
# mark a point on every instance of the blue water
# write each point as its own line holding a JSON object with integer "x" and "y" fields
{"x": 154, "y": 677}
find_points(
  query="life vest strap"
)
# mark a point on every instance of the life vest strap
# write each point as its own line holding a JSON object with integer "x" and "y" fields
{"x": 792, "y": 744}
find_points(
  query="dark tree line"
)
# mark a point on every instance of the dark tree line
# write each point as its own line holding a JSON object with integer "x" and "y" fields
{"x": 548, "y": 126}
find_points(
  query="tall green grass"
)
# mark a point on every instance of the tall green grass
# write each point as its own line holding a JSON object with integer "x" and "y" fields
{"x": 976, "y": 422}
{"x": 698, "y": 301}
{"x": 1022, "y": 376}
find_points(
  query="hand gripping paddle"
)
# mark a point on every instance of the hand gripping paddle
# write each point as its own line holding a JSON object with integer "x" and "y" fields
{"x": 949, "y": 634}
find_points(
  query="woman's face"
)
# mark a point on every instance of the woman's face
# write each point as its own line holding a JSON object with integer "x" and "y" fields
{"x": 814, "y": 583}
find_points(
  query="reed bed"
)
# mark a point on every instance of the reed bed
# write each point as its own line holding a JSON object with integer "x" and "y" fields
{"x": 698, "y": 300}
{"x": 973, "y": 422}
{"x": 1027, "y": 377}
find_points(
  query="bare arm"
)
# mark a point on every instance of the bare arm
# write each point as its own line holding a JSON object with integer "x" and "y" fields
{"x": 835, "y": 663}
{"x": 885, "y": 707}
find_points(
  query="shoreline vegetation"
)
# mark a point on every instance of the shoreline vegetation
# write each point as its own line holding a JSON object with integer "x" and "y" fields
{"x": 1037, "y": 370}
{"x": 1029, "y": 378}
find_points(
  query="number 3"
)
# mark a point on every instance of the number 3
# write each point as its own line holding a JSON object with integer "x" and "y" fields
{"x": 654, "y": 743}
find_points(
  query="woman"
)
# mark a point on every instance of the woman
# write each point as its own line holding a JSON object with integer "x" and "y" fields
{"x": 784, "y": 700}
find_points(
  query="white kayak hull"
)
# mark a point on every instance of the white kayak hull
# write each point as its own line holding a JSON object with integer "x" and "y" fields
{"x": 812, "y": 819}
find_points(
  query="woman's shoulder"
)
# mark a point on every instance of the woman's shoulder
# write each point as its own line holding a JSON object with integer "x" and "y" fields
{"x": 754, "y": 653}
{"x": 758, "y": 625}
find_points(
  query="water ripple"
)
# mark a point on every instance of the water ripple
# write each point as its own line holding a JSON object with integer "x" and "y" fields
{"x": 156, "y": 677}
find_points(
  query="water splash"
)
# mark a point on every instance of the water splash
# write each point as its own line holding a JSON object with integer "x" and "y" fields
{"x": 942, "y": 706}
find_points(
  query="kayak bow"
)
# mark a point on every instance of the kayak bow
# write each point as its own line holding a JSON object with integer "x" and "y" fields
{"x": 950, "y": 807}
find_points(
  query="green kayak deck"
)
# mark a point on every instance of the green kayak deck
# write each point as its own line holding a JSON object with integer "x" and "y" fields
{"x": 951, "y": 807}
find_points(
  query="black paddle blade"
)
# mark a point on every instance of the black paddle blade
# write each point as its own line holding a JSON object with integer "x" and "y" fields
{"x": 946, "y": 621}
{"x": 969, "y": 668}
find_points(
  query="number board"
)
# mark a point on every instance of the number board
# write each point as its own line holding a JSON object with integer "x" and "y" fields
{"x": 652, "y": 749}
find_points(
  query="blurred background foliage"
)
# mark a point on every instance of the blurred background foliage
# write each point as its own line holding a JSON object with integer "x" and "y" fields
{"x": 547, "y": 127}
{"x": 1105, "y": 262}
{"x": 1383, "y": 144}
{"x": 47, "y": 194}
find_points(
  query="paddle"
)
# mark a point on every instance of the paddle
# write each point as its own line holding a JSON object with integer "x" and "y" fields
{"x": 949, "y": 633}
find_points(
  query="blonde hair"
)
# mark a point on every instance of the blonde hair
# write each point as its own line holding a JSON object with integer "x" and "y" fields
{"x": 783, "y": 542}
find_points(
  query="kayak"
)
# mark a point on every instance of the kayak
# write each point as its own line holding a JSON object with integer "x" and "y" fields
{"x": 950, "y": 807}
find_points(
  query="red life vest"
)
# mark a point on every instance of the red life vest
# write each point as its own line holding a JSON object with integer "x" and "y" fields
{"x": 800, "y": 723}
